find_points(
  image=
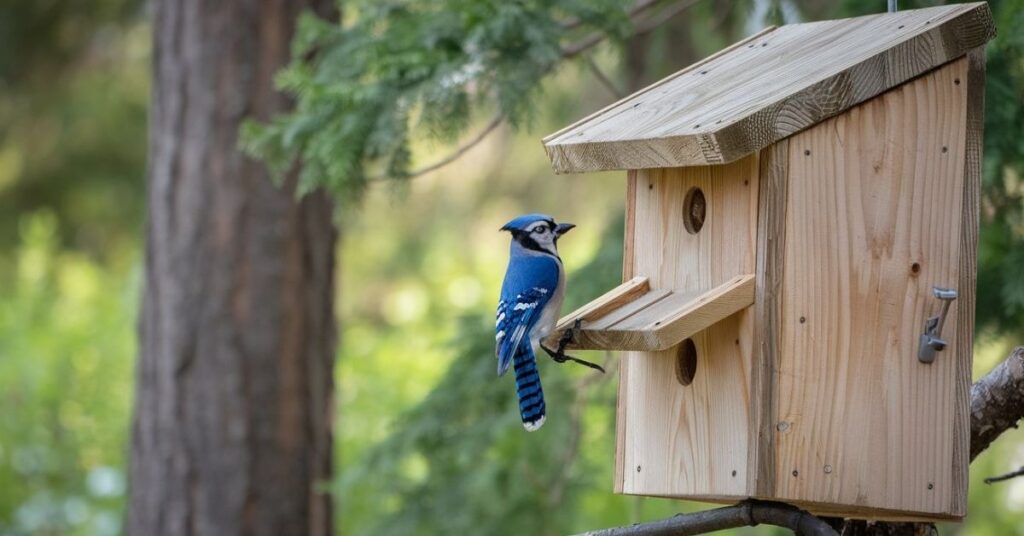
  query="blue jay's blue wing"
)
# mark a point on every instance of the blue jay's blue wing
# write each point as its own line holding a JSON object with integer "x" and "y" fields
{"x": 529, "y": 284}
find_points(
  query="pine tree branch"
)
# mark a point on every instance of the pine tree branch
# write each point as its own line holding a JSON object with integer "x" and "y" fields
{"x": 746, "y": 513}
{"x": 571, "y": 51}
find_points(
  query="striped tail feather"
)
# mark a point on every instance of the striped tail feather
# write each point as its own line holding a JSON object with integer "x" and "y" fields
{"x": 531, "y": 396}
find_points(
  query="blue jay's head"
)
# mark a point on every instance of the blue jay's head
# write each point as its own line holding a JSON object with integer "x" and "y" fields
{"x": 537, "y": 232}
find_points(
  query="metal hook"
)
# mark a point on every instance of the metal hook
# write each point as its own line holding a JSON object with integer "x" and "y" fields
{"x": 931, "y": 340}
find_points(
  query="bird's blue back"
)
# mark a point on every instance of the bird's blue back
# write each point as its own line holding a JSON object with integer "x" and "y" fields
{"x": 530, "y": 282}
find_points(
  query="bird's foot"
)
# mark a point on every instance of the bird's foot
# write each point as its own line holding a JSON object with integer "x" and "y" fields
{"x": 559, "y": 355}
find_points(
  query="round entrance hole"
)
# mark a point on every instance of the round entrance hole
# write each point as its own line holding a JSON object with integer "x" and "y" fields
{"x": 695, "y": 208}
{"x": 686, "y": 362}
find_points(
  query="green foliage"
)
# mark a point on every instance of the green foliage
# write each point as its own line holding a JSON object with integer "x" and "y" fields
{"x": 459, "y": 461}
{"x": 66, "y": 342}
{"x": 74, "y": 86}
{"x": 1001, "y": 248}
{"x": 402, "y": 69}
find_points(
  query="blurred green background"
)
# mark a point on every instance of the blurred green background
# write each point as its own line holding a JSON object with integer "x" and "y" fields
{"x": 427, "y": 440}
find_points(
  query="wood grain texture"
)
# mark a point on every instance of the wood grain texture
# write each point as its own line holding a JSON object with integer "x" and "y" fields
{"x": 627, "y": 273}
{"x": 771, "y": 244}
{"x": 975, "y": 123}
{"x": 868, "y": 234}
{"x": 656, "y": 85}
{"x": 598, "y": 308}
{"x": 690, "y": 441}
{"x": 778, "y": 84}
{"x": 658, "y": 319}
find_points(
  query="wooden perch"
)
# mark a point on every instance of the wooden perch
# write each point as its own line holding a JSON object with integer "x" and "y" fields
{"x": 997, "y": 401}
{"x": 632, "y": 316}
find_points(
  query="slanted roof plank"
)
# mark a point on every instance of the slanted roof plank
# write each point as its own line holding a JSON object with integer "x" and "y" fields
{"x": 748, "y": 97}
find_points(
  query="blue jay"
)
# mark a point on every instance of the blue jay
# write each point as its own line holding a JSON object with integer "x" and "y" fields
{"x": 531, "y": 298}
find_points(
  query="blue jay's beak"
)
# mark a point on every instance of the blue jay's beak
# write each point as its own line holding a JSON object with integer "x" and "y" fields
{"x": 563, "y": 228}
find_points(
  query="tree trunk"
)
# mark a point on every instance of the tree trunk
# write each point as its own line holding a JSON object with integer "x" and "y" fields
{"x": 232, "y": 424}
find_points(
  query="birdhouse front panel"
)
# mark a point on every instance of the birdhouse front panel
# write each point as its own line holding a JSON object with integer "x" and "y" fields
{"x": 873, "y": 206}
{"x": 691, "y": 396}
{"x": 799, "y": 266}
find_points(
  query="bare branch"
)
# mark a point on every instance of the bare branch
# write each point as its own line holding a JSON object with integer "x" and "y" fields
{"x": 1007, "y": 476}
{"x": 666, "y": 14}
{"x": 746, "y": 513}
{"x": 574, "y": 49}
{"x": 601, "y": 77}
{"x": 458, "y": 152}
{"x": 637, "y": 9}
{"x": 997, "y": 401}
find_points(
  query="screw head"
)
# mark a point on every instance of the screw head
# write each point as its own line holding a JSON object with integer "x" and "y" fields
{"x": 828, "y": 469}
{"x": 782, "y": 426}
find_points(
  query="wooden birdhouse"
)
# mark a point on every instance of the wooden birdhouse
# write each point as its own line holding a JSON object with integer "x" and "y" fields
{"x": 799, "y": 266}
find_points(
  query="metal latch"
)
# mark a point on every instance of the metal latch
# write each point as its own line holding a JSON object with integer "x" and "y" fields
{"x": 931, "y": 340}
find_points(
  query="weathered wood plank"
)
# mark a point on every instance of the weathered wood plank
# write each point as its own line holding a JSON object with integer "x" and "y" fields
{"x": 663, "y": 81}
{"x": 697, "y": 314}
{"x": 627, "y": 273}
{"x": 599, "y": 308}
{"x": 771, "y": 244}
{"x": 623, "y": 313}
{"x": 662, "y": 319}
{"x": 967, "y": 285}
{"x": 778, "y": 84}
{"x": 868, "y": 234}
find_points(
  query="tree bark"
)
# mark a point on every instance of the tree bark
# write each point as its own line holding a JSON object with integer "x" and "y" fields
{"x": 232, "y": 425}
{"x": 997, "y": 401}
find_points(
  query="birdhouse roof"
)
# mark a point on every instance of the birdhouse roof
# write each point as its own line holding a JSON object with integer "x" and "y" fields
{"x": 767, "y": 87}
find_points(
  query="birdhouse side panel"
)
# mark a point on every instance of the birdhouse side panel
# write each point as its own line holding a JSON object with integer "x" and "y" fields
{"x": 873, "y": 222}
{"x": 690, "y": 440}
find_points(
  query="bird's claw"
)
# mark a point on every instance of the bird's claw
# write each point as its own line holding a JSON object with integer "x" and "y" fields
{"x": 568, "y": 336}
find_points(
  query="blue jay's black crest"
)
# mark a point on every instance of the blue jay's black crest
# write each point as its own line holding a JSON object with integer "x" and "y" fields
{"x": 531, "y": 297}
